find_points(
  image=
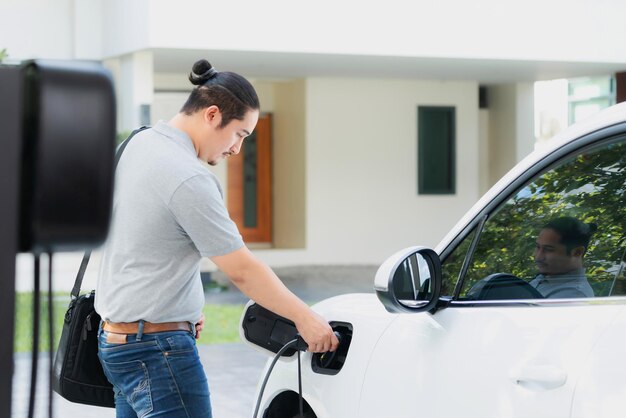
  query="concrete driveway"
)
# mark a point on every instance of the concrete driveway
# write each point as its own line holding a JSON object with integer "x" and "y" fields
{"x": 233, "y": 371}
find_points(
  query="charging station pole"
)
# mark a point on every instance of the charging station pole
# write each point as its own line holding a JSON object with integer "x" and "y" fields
{"x": 10, "y": 159}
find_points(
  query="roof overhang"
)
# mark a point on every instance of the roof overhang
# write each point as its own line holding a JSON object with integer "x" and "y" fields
{"x": 283, "y": 65}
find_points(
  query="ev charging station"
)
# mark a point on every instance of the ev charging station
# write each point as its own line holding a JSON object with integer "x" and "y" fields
{"x": 57, "y": 144}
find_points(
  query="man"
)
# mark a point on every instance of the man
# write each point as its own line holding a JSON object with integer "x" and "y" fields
{"x": 559, "y": 251}
{"x": 169, "y": 213}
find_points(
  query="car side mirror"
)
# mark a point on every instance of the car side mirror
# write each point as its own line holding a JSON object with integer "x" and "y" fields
{"x": 409, "y": 280}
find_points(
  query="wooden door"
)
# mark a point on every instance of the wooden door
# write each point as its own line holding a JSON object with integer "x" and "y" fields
{"x": 249, "y": 184}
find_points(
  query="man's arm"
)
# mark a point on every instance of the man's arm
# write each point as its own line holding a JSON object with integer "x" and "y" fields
{"x": 257, "y": 281}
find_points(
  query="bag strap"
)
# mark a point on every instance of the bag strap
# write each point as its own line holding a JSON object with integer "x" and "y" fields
{"x": 83, "y": 265}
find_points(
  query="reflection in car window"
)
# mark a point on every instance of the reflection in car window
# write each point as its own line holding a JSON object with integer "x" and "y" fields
{"x": 561, "y": 236}
{"x": 451, "y": 267}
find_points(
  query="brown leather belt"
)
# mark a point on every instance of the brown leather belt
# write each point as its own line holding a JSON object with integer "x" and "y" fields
{"x": 148, "y": 327}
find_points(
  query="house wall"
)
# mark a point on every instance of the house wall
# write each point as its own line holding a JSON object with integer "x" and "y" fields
{"x": 501, "y": 130}
{"x": 345, "y": 149}
{"x": 511, "y": 127}
{"x": 361, "y": 169}
{"x": 483, "y": 151}
{"x": 37, "y": 29}
{"x": 345, "y": 166}
{"x": 289, "y": 165}
{"x": 490, "y": 28}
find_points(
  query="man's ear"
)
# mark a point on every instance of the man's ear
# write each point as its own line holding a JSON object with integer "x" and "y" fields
{"x": 578, "y": 251}
{"x": 212, "y": 115}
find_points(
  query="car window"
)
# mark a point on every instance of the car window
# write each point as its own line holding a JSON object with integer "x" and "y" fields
{"x": 563, "y": 235}
{"x": 453, "y": 265}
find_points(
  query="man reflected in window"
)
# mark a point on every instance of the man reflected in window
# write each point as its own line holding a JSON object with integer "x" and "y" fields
{"x": 559, "y": 251}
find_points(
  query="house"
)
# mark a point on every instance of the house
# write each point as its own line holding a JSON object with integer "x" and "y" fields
{"x": 351, "y": 90}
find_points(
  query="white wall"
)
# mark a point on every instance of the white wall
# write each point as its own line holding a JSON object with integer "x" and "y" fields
{"x": 136, "y": 85}
{"x": 483, "y": 148}
{"x": 126, "y": 26}
{"x": 525, "y": 120}
{"x": 362, "y": 201}
{"x": 37, "y": 28}
{"x": 511, "y": 126}
{"x": 345, "y": 166}
{"x": 89, "y": 29}
{"x": 557, "y": 30}
{"x": 289, "y": 165}
{"x": 551, "y": 109}
{"x": 501, "y": 130}
{"x": 508, "y": 29}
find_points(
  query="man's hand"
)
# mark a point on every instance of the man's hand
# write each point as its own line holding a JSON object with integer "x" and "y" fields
{"x": 199, "y": 326}
{"x": 317, "y": 333}
{"x": 256, "y": 280}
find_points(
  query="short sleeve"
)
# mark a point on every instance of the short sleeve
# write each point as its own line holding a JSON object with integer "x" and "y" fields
{"x": 198, "y": 207}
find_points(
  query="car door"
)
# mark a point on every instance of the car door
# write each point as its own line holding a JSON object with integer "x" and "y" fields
{"x": 502, "y": 348}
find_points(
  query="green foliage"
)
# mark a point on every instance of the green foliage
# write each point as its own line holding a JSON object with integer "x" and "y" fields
{"x": 590, "y": 187}
{"x": 3, "y": 54}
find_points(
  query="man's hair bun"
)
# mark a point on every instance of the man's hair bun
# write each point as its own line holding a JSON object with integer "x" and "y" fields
{"x": 201, "y": 72}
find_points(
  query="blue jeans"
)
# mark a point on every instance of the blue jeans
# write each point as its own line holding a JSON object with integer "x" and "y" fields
{"x": 156, "y": 375}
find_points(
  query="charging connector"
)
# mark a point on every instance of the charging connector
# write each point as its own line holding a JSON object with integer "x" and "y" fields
{"x": 300, "y": 344}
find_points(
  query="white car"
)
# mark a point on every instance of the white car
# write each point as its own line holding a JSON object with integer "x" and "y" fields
{"x": 506, "y": 317}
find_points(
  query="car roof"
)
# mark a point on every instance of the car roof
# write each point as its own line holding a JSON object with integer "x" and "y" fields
{"x": 611, "y": 116}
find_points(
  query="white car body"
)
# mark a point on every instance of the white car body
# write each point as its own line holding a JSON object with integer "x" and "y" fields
{"x": 542, "y": 358}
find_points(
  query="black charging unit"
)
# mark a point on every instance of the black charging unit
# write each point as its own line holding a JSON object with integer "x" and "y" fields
{"x": 57, "y": 138}
{"x": 271, "y": 332}
{"x": 68, "y": 147}
{"x": 268, "y": 330}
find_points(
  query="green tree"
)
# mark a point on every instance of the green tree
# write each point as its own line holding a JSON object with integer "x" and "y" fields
{"x": 3, "y": 54}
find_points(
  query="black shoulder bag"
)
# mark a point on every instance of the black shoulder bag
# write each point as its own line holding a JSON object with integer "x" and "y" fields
{"x": 78, "y": 375}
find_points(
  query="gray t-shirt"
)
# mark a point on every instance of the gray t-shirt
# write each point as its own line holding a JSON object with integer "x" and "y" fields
{"x": 570, "y": 285}
{"x": 168, "y": 213}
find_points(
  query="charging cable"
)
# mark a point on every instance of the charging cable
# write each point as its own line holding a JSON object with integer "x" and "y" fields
{"x": 51, "y": 338}
{"x": 297, "y": 343}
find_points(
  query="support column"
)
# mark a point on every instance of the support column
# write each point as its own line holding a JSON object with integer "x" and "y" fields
{"x": 620, "y": 87}
{"x": 511, "y": 126}
{"x": 524, "y": 120}
{"x": 135, "y": 90}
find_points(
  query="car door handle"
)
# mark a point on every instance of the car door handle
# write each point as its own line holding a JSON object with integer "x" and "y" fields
{"x": 539, "y": 377}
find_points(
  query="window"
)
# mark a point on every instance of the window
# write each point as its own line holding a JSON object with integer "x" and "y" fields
{"x": 589, "y": 95}
{"x": 509, "y": 254}
{"x": 436, "y": 148}
{"x": 454, "y": 263}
